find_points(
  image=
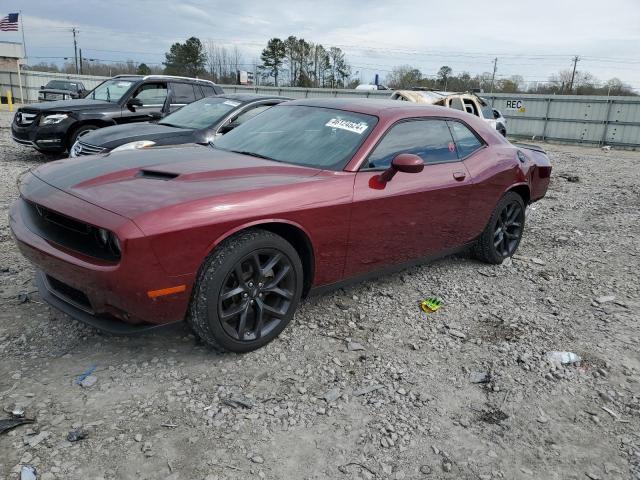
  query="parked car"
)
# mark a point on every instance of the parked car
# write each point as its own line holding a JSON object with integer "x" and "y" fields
{"x": 307, "y": 196}
{"x": 53, "y": 127}
{"x": 61, "y": 90}
{"x": 199, "y": 122}
{"x": 501, "y": 122}
{"x": 467, "y": 102}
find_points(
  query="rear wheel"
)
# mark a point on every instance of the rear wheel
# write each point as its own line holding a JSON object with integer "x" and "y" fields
{"x": 502, "y": 235}
{"x": 247, "y": 291}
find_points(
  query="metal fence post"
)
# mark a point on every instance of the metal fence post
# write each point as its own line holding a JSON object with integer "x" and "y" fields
{"x": 606, "y": 122}
{"x": 546, "y": 119}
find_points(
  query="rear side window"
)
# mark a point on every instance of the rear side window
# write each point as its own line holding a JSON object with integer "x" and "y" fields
{"x": 183, "y": 93}
{"x": 198, "y": 90}
{"x": 208, "y": 91}
{"x": 466, "y": 141}
{"x": 429, "y": 139}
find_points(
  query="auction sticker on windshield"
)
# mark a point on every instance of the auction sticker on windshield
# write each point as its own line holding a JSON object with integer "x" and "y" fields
{"x": 355, "y": 127}
{"x": 231, "y": 103}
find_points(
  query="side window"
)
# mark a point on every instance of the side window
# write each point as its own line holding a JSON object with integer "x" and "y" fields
{"x": 182, "y": 93}
{"x": 457, "y": 104}
{"x": 429, "y": 139}
{"x": 466, "y": 140}
{"x": 198, "y": 90}
{"x": 152, "y": 94}
{"x": 208, "y": 91}
{"x": 470, "y": 107}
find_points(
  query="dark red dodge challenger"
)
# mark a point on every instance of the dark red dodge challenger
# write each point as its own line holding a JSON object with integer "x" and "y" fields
{"x": 303, "y": 197}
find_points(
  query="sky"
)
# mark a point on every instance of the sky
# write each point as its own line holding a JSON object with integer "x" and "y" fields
{"x": 531, "y": 39}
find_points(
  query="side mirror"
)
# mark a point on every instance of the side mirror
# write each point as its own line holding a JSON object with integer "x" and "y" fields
{"x": 403, "y": 162}
{"x": 496, "y": 114}
{"x": 132, "y": 103}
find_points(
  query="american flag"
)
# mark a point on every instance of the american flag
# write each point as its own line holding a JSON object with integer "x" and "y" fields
{"x": 9, "y": 23}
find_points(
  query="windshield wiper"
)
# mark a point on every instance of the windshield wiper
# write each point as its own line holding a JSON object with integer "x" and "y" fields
{"x": 253, "y": 154}
{"x": 171, "y": 125}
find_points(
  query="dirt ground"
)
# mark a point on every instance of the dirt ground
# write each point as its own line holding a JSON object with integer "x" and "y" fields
{"x": 363, "y": 384}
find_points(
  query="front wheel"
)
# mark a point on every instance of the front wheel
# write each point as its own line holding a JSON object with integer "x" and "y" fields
{"x": 502, "y": 235}
{"x": 79, "y": 132}
{"x": 247, "y": 291}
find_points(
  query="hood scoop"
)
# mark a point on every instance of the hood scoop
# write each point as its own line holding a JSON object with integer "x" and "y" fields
{"x": 155, "y": 175}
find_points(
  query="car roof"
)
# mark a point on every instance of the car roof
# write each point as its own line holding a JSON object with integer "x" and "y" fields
{"x": 169, "y": 78}
{"x": 381, "y": 108}
{"x": 250, "y": 97}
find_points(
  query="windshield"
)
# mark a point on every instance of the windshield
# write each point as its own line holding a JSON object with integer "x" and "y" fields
{"x": 302, "y": 135}
{"x": 61, "y": 85}
{"x": 201, "y": 114}
{"x": 111, "y": 90}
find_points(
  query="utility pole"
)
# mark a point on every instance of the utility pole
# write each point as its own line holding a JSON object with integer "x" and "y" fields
{"x": 573, "y": 74}
{"x": 493, "y": 77}
{"x": 75, "y": 48}
{"x": 80, "y": 61}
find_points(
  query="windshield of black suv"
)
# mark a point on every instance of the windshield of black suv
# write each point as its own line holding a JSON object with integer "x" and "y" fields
{"x": 61, "y": 85}
{"x": 201, "y": 114}
{"x": 302, "y": 135}
{"x": 111, "y": 90}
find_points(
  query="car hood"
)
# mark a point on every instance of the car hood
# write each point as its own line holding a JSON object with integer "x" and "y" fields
{"x": 132, "y": 183}
{"x": 68, "y": 105}
{"x": 112, "y": 137}
{"x": 54, "y": 90}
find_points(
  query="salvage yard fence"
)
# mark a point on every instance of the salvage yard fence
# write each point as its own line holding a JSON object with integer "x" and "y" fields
{"x": 582, "y": 119}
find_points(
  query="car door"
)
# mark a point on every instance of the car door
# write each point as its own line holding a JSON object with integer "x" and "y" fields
{"x": 152, "y": 96}
{"x": 415, "y": 214}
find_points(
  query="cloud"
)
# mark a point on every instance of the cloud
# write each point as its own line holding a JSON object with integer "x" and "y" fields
{"x": 531, "y": 40}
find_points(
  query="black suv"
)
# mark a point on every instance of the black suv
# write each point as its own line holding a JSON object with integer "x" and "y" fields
{"x": 61, "y": 90}
{"x": 53, "y": 127}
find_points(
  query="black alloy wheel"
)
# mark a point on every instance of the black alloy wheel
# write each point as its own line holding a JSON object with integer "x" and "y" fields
{"x": 257, "y": 295}
{"x": 508, "y": 229}
{"x": 502, "y": 235}
{"x": 246, "y": 292}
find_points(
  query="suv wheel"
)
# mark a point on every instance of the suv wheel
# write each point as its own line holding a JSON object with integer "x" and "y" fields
{"x": 79, "y": 132}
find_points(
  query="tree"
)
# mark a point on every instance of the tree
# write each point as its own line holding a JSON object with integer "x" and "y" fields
{"x": 340, "y": 69}
{"x": 404, "y": 77}
{"x": 272, "y": 58}
{"x": 143, "y": 69}
{"x": 186, "y": 58}
{"x": 443, "y": 75}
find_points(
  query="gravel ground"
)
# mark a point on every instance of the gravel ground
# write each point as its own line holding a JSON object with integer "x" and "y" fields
{"x": 363, "y": 384}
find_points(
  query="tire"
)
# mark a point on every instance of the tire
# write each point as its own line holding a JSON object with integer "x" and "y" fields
{"x": 79, "y": 132}
{"x": 493, "y": 246}
{"x": 257, "y": 295}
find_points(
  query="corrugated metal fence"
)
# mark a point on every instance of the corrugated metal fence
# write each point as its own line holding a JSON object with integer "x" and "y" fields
{"x": 595, "y": 120}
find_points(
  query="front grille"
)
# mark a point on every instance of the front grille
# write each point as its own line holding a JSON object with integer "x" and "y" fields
{"x": 69, "y": 294}
{"x": 68, "y": 232}
{"x": 25, "y": 118}
{"x": 81, "y": 148}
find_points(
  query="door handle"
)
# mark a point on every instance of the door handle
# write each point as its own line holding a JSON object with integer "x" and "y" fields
{"x": 459, "y": 176}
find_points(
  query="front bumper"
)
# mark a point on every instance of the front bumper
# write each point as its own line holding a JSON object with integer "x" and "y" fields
{"x": 48, "y": 138}
{"x": 112, "y": 296}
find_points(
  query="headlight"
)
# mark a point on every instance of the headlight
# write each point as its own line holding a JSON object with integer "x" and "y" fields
{"x": 134, "y": 145}
{"x": 53, "y": 119}
{"x": 108, "y": 240}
